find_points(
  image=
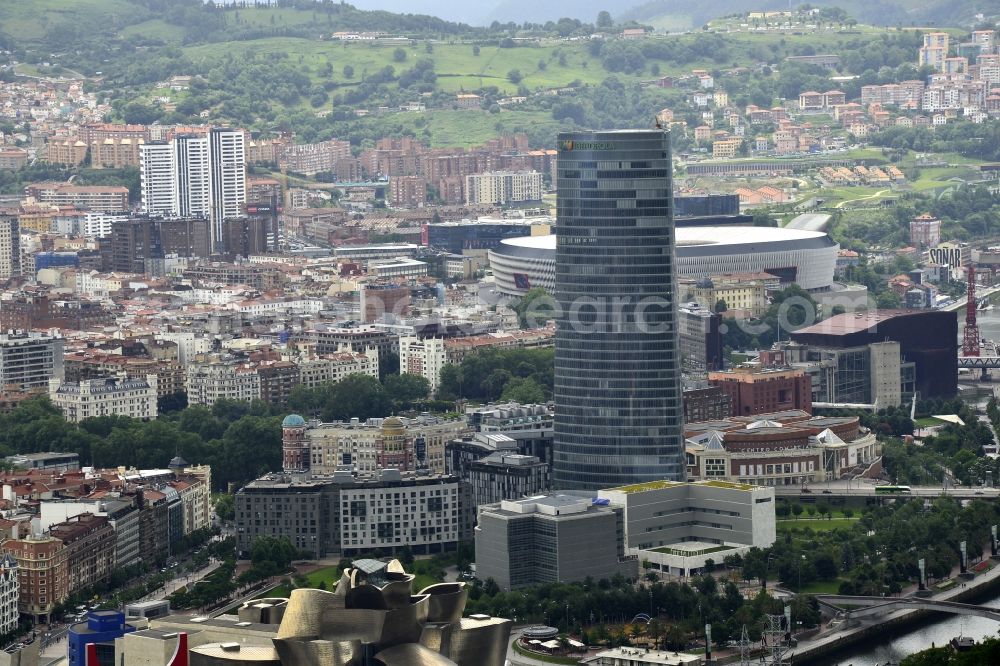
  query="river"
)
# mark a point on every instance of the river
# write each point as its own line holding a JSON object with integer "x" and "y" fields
{"x": 927, "y": 633}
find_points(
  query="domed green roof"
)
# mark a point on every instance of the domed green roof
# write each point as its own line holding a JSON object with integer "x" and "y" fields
{"x": 293, "y": 421}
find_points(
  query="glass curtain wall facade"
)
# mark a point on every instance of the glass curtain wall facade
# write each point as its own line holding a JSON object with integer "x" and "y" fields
{"x": 618, "y": 400}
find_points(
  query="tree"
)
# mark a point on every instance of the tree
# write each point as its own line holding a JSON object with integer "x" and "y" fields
{"x": 356, "y": 396}
{"x": 405, "y": 389}
{"x": 524, "y": 390}
{"x": 399, "y": 55}
{"x": 797, "y": 509}
{"x": 535, "y": 308}
{"x": 514, "y": 76}
{"x": 450, "y": 382}
{"x": 604, "y": 20}
{"x": 224, "y": 507}
{"x": 278, "y": 550}
{"x": 721, "y": 306}
{"x": 495, "y": 382}
{"x": 348, "y": 72}
{"x": 475, "y": 49}
{"x": 763, "y": 219}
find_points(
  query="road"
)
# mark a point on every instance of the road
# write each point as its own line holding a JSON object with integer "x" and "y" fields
{"x": 859, "y": 488}
{"x": 870, "y": 196}
{"x": 56, "y": 645}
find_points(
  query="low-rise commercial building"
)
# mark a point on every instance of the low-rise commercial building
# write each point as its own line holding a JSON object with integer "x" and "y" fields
{"x": 779, "y": 449}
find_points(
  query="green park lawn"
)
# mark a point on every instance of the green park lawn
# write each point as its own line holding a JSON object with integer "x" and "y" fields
{"x": 818, "y": 587}
{"x": 816, "y": 524}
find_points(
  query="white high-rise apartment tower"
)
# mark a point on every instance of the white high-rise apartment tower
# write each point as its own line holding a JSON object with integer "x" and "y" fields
{"x": 228, "y": 184}
{"x": 196, "y": 175}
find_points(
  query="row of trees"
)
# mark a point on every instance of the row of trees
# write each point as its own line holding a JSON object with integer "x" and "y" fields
{"x": 521, "y": 375}
{"x": 589, "y": 608}
{"x": 240, "y": 440}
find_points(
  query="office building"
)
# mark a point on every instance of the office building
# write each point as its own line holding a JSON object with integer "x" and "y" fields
{"x": 617, "y": 363}
{"x": 10, "y": 247}
{"x": 928, "y": 350}
{"x": 550, "y": 539}
{"x": 196, "y": 175}
{"x": 706, "y": 404}
{"x": 29, "y": 360}
{"x": 138, "y": 243}
{"x": 120, "y": 396}
{"x": 700, "y": 338}
{"x": 506, "y": 476}
{"x": 755, "y": 391}
{"x": 678, "y": 527}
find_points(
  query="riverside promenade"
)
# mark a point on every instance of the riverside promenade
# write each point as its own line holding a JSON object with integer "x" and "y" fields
{"x": 833, "y": 639}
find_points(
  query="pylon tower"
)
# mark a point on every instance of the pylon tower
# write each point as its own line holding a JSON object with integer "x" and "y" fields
{"x": 970, "y": 341}
{"x": 775, "y": 631}
{"x": 745, "y": 648}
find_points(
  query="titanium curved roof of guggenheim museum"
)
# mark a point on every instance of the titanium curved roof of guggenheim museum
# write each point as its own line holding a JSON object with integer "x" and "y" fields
{"x": 700, "y": 251}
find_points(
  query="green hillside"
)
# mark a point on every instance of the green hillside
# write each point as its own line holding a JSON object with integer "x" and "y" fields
{"x": 683, "y": 15}
{"x": 272, "y": 68}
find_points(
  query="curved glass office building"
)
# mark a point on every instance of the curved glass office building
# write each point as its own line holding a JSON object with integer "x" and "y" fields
{"x": 617, "y": 365}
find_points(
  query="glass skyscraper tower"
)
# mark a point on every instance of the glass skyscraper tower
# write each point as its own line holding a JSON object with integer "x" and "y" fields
{"x": 617, "y": 365}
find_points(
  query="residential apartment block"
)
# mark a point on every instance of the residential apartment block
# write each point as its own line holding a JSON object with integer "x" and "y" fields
{"x": 347, "y": 515}
{"x": 30, "y": 360}
{"x": 501, "y": 188}
{"x": 424, "y": 357}
{"x": 122, "y": 396}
